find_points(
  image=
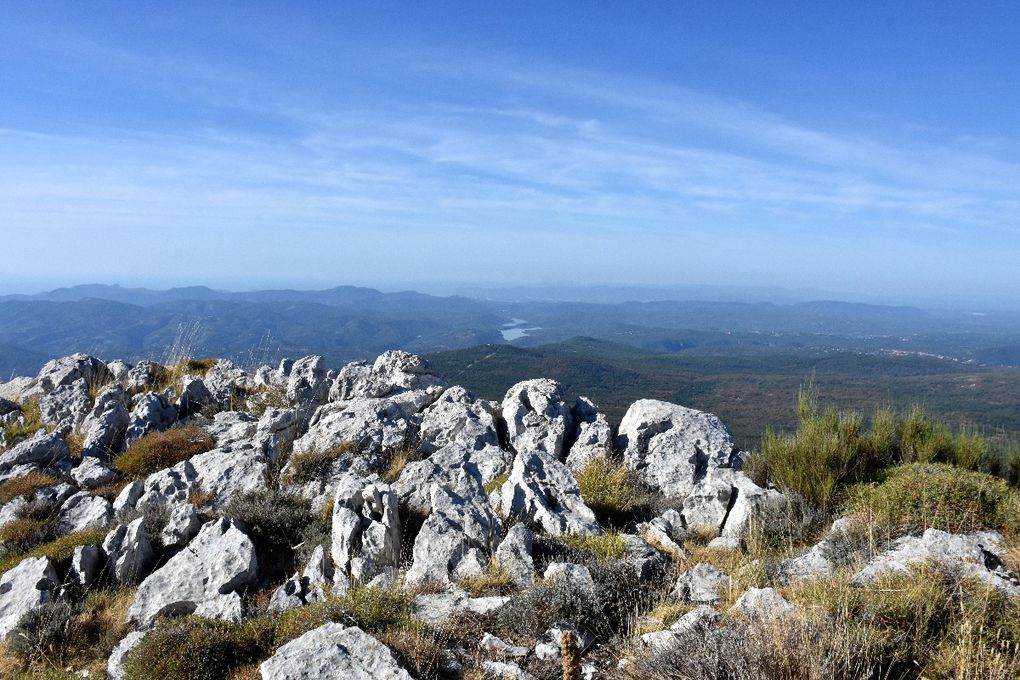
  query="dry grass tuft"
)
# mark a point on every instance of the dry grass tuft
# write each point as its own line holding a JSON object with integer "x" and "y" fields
{"x": 160, "y": 450}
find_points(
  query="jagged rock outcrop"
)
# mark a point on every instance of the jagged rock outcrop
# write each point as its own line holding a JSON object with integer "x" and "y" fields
{"x": 128, "y": 552}
{"x": 702, "y": 584}
{"x": 537, "y": 417}
{"x": 29, "y": 585}
{"x": 594, "y": 435}
{"x": 43, "y": 450}
{"x": 150, "y": 412}
{"x": 976, "y": 555}
{"x": 203, "y": 579}
{"x": 543, "y": 491}
{"x": 672, "y": 447}
{"x": 366, "y": 530}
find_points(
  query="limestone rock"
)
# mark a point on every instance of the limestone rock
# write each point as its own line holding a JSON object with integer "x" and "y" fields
{"x": 461, "y": 520}
{"x": 83, "y": 511}
{"x": 371, "y": 424}
{"x": 219, "y": 561}
{"x": 67, "y": 406}
{"x": 514, "y": 555}
{"x": 762, "y": 603}
{"x": 537, "y": 418}
{"x": 366, "y": 530}
{"x": 150, "y": 412}
{"x": 672, "y": 447}
{"x": 115, "y": 664}
{"x": 306, "y": 382}
{"x": 67, "y": 370}
{"x": 594, "y": 435}
{"x": 23, "y": 588}
{"x": 444, "y": 467}
{"x": 143, "y": 375}
{"x": 231, "y": 427}
{"x": 436, "y": 608}
{"x": 128, "y": 552}
{"x": 542, "y": 490}
{"x": 182, "y": 524}
{"x": 457, "y": 418}
{"x": 44, "y": 450}
{"x": 702, "y": 584}
{"x": 333, "y": 651}
{"x": 228, "y": 470}
{"x": 86, "y": 563}
{"x": 975, "y": 555}
{"x": 104, "y": 428}
{"x": 91, "y": 473}
{"x": 392, "y": 373}
{"x": 194, "y": 396}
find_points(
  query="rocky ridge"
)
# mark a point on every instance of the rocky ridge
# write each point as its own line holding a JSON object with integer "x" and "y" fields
{"x": 423, "y": 486}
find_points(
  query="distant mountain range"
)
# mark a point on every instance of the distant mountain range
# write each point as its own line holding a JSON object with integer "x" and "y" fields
{"x": 348, "y": 322}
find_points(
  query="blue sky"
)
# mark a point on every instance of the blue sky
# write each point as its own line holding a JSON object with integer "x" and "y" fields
{"x": 866, "y": 148}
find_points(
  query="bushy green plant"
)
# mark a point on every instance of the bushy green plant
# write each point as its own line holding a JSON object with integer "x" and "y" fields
{"x": 196, "y": 648}
{"x": 275, "y": 520}
{"x": 59, "y": 550}
{"x": 921, "y": 496}
{"x": 159, "y": 450}
{"x": 605, "y": 546}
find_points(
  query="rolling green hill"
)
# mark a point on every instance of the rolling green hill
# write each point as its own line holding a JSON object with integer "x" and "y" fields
{"x": 749, "y": 391}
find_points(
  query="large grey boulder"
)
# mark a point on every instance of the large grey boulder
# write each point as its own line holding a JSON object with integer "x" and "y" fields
{"x": 702, "y": 584}
{"x": 333, "y": 651}
{"x": 762, "y": 603}
{"x": 672, "y": 447}
{"x": 228, "y": 470}
{"x": 82, "y": 512}
{"x": 105, "y": 426}
{"x": 67, "y": 406}
{"x": 128, "y": 552}
{"x": 276, "y": 431}
{"x": 43, "y": 450}
{"x": 437, "y": 608}
{"x": 307, "y": 383}
{"x": 456, "y": 418}
{"x": 231, "y": 427}
{"x": 461, "y": 527}
{"x": 537, "y": 417}
{"x": 976, "y": 555}
{"x": 115, "y": 664}
{"x": 150, "y": 412}
{"x": 194, "y": 396}
{"x": 227, "y": 383}
{"x": 700, "y": 618}
{"x": 218, "y": 563}
{"x": 142, "y": 376}
{"x": 514, "y": 555}
{"x": 724, "y": 502}
{"x": 91, "y": 473}
{"x": 392, "y": 373}
{"x": 28, "y": 586}
{"x": 181, "y": 525}
{"x": 594, "y": 435}
{"x": 86, "y": 564}
{"x": 542, "y": 490}
{"x": 445, "y": 466}
{"x": 366, "y": 531}
{"x": 67, "y": 370}
{"x": 371, "y": 424}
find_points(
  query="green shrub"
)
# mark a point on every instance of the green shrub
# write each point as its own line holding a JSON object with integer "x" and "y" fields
{"x": 41, "y": 634}
{"x": 31, "y": 416}
{"x": 25, "y": 533}
{"x": 923, "y": 440}
{"x": 608, "y": 487}
{"x": 195, "y": 648}
{"x": 159, "y": 450}
{"x": 312, "y": 465}
{"x": 372, "y": 609}
{"x": 59, "y": 550}
{"x": 920, "y": 496}
{"x": 24, "y": 485}
{"x": 276, "y": 521}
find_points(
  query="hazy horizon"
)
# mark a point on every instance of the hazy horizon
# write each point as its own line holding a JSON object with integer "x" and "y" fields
{"x": 867, "y": 151}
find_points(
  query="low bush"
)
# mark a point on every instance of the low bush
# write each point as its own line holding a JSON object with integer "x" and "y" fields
{"x": 927, "y": 623}
{"x": 372, "y": 609}
{"x": 24, "y": 485}
{"x": 312, "y": 465}
{"x": 397, "y": 460}
{"x": 25, "y": 533}
{"x": 918, "y": 496}
{"x": 159, "y": 450}
{"x": 31, "y": 422}
{"x": 609, "y": 488}
{"x": 59, "y": 550}
{"x": 195, "y": 648}
{"x": 276, "y": 521}
{"x": 607, "y": 546}
{"x": 495, "y": 581}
